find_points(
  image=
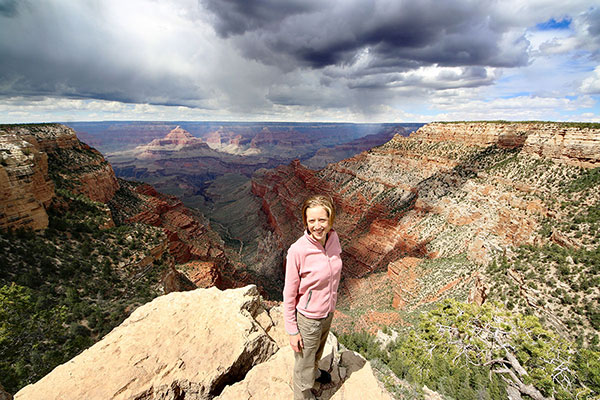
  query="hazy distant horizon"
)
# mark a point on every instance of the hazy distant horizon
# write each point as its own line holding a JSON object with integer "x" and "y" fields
{"x": 348, "y": 61}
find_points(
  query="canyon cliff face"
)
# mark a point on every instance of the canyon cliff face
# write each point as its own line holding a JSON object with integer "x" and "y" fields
{"x": 33, "y": 157}
{"x": 39, "y": 161}
{"x": 574, "y": 144}
{"x": 194, "y": 245}
{"x": 203, "y": 344}
{"x": 25, "y": 187}
{"x": 433, "y": 209}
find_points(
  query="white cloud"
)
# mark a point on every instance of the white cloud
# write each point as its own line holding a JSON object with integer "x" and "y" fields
{"x": 515, "y": 109}
{"x": 591, "y": 84}
{"x": 299, "y": 60}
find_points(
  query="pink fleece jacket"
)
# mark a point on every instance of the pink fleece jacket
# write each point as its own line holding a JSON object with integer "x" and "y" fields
{"x": 312, "y": 277}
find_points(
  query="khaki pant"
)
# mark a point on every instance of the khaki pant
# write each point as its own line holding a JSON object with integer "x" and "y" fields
{"x": 306, "y": 367}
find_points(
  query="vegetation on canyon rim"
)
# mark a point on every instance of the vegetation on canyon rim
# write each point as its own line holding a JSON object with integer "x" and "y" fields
{"x": 471, "y": 352}
{"x": 64, "y": 288}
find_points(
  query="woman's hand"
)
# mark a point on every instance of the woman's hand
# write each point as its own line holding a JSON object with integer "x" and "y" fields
{"x": 296, "y": 342}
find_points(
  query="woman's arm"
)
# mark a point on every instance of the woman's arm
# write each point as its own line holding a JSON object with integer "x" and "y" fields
{"x": 290, "y": 293}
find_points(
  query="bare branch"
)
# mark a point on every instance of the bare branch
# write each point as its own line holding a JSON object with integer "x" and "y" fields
{"x": 529, "y": 390}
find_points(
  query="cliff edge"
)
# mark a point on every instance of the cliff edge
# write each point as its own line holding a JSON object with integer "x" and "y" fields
{"x": 202, "y": 344}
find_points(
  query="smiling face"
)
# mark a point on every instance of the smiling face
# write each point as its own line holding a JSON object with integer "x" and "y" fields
{"x": 317, "y": 223}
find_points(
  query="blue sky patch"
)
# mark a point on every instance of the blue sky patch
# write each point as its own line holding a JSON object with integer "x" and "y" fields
{"x": 553, "y": 24}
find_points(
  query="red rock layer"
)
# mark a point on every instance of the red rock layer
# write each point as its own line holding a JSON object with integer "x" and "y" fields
{"x": 183, "y": 230}
{"x": 480, "y": 134}
{"x": 178, "y": 137}
{"x": 85, "y": 169}
{"x": 176, "y": 141}
{"x": 99, "y": 184}
{"x": 403, "y": 273}
{"x": 191, "y": 241}
{"x": 430, "y": 195}
{"x": 30, "y": 154}
{"x": 223, "y": 136}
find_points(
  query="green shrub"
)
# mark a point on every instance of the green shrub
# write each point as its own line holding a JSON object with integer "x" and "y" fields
{"x": 457, "y": 348}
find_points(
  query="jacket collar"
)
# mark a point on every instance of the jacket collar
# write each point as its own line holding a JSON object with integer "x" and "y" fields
{"x": 316, "y": 242}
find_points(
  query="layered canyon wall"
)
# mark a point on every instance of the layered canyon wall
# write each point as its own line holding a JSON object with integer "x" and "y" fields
{"x": 27, "y": 180}
{"x": 431, "y": 209}
{"x": 39, "y": 161}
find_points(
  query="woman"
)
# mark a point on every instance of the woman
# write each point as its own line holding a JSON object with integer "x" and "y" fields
{"x": 312, "y": 276}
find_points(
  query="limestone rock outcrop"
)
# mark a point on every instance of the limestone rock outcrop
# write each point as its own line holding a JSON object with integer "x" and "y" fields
{"x": 33, "y": 156}
{"x": 181, "y": 345}
{"x": 352, "y": 375}
{"x": 25, "y": 188}
{"x": 574, "y": 144}
{"x": 201, "y": 344}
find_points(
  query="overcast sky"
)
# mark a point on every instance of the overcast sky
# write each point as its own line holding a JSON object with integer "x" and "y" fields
{"x": 299, "y": 60}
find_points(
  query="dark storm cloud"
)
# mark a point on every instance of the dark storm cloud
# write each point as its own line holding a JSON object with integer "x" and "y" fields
{"x": 445, "y": 79}
{"x": 8, "y": 8}
{"x": 402, "y": 34}
{"x": 250, "y": 56}
{"x": 236, "y": 17}
{"x": 74, "y": 50}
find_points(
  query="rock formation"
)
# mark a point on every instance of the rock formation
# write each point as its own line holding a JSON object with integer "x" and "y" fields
{"x": 433, "y": 207}
{"x": 574, "y": 144}
{"x": 36, "y": 155}
{"x": 202, "y": 344}
{"x": 176, "y": 141}
{"x": 25, "y": 188}
{"x": 37, "y": 158}
{"x": 191, "y": 240}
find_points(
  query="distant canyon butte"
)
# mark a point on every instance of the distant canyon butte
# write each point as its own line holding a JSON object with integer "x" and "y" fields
{"x": 209, "y": 166}
{"x": 420, "y": 216}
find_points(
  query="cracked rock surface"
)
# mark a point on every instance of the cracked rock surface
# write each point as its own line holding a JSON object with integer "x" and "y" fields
{"x": 201, "y": 344}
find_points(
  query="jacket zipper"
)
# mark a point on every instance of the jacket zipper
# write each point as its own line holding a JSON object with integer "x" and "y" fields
{"x": 330, "y": 281}
{"x": 308, "y": 300}
{"x": 330, "y": 276}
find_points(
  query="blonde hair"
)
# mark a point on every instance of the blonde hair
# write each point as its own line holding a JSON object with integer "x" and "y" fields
{"x": 319, "y": 200}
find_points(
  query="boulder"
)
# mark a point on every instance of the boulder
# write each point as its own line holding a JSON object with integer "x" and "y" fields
{"x": 200, "y": 344}
{"x": 352, "y": 377}
{"x": 182, "y": 345}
